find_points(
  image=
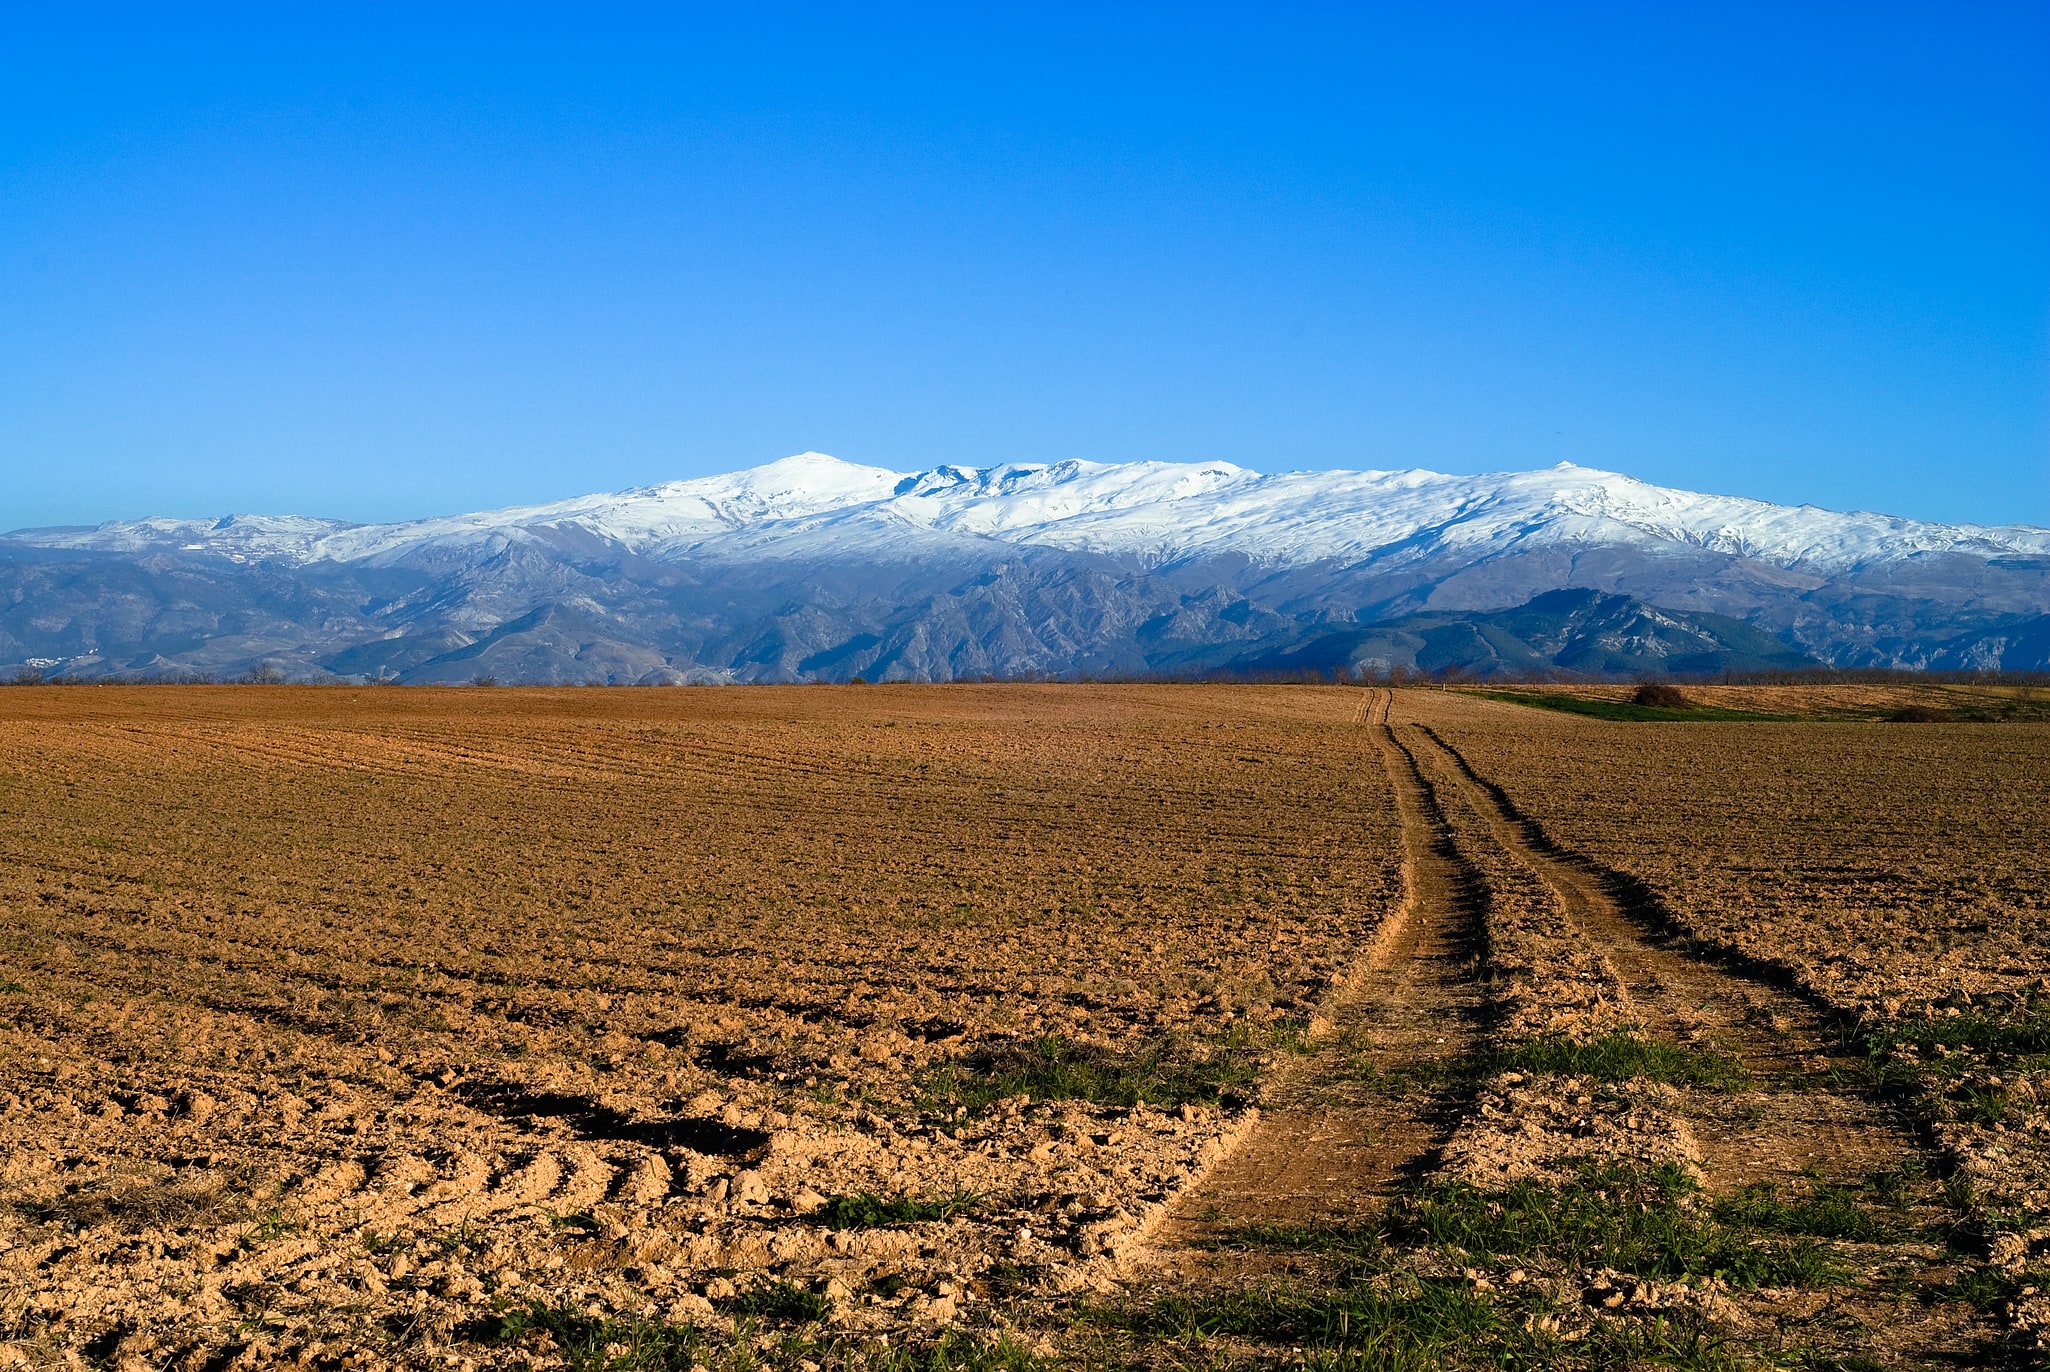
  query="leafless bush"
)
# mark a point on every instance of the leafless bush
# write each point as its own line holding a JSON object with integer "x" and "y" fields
{"x": 1660, "y": 696}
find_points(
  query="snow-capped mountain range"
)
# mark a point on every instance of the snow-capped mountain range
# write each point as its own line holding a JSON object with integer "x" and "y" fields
{"x": 1160, "y": 512}
{"x": 816, "y": 568}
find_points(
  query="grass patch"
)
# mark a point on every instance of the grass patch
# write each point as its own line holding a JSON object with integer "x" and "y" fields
{"x": 1988, "y": 1289}
{"x": 1615, "y": 1057}
{"x": 1406, "y": 1322}
{"x": 626, "y": 1343}
{"x": 579, "y": 1221}
{"x": 866, "y": 1210}
{"x": 1826, "y": 1212}
{"x": 1400, "y": 1322}
{"x": 784, "y": 1301}
{"x": 1646, "y": 1222}
{"x": 951, "y": 1352}
{"x": 1996, "y": 1034}
{"x": 1051, "y": 1068}
{"x": 1289, "y": 1034}
{"x": 591, "y": 1343}
{"x": 270, "y": 1226}
{"x": 1626, "y": 711}
{"x": 1357, "y": 1241}
{"x": 1642, "y": 1222}
{"x": 1992, "y": 1104}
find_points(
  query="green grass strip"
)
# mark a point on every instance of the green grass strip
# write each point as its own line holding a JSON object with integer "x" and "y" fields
{"x": 1400, "y": 1322}
{"x": 1827, "y": 1212}
{"x": 589, "y": 1343}
{"x": 784, "y": 1301}
{"x": 2016, "y": 1033}
{"x": 1619, "y": 1056}
{"x": 1649, "y": 1222}
{"x": 866, "y": 1210}
{"x": 628, "y": 1343}
{"x": 1644, "y": 1222}
{"x": 1406, "y": 1323}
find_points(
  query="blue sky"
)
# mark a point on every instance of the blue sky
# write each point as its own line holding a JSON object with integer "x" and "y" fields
{"x": 378, "y": 261}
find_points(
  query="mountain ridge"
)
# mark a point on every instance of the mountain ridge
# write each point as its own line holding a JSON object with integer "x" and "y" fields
{"x": 814, "y": 568}
{"x": 1164, "y": 511}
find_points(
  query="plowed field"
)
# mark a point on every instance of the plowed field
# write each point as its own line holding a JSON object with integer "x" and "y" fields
{"x": 330, "y": 1015}
{"x": 1007, "y": 1025}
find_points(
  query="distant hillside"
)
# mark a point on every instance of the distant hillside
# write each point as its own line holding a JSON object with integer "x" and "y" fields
{"x": 1570, "y": 632}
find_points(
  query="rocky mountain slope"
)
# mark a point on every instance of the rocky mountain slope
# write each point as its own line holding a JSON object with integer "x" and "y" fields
{"x": 812, "y": 568}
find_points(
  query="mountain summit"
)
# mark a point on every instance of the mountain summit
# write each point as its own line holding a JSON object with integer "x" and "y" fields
{"x": 812, "y": 567}
{"x": 1160, "y": 512}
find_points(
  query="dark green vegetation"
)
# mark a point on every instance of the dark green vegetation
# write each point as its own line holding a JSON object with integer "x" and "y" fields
{"x": 1375, "y": 1303}
{"x": 588, "y": 1343}
{"x": 1826, "y": 1212}
{"x": 1660, "y": 701}
{"x": 1960, "y": 1056}
{"x": 623, "y": 1343}
{"x": 2000, "y": 1035}
{"x": 1403, "y": 1322}
{"x": 1624, "y": 710}
{"x": 1979, "y": 710}
{"x": 782, "y": 1301}
{"x": 1448, "y": 1276}
{"x": 866, "y": 1210}
{"x": 1051, "y": 1068}
{"x": 1614, "y": 1057}
{"x": 1400, "y": 1321}
{"x": 1646, "y": 1223}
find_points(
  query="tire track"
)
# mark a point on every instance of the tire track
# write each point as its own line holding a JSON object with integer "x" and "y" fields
{"x": 1802, "y": 1123}
{"x": 1340, "y": 1131}
{"x": 1337, "y": 1142}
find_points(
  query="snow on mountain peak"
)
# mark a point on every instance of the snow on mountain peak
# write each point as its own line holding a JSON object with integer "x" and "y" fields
{"x": 813, "y": 504}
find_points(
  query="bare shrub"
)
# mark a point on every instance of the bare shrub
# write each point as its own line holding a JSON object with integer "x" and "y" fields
{"x": 1660, "y": 696}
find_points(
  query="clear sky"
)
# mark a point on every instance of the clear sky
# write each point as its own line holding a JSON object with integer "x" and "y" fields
{"x": 385, "y": 260}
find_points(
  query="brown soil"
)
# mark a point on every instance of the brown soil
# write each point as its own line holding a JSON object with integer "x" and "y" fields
{"x": 332, "y": 1021}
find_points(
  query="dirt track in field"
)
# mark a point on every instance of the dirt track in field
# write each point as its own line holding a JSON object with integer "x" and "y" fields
{"x": 1332, "y": 1143}
{"x": 1776, "y": 1135}
{"x": 1336, "y": 1140}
